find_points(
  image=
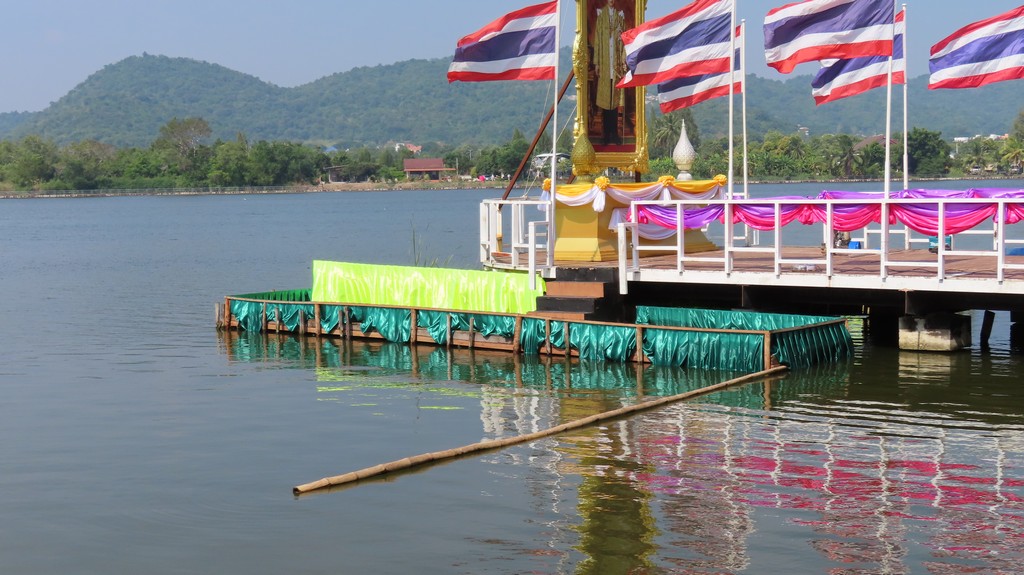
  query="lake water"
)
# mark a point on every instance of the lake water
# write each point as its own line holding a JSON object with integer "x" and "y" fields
{"x": 135, "y": 438}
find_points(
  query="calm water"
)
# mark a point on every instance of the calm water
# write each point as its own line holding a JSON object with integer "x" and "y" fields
{"x": 136, "y": 439}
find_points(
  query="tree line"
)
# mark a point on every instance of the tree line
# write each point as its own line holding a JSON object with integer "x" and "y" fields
{"x": 179, "y": 158}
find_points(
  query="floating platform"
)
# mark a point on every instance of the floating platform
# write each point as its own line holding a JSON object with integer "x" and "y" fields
{"x": 698, "y": 338}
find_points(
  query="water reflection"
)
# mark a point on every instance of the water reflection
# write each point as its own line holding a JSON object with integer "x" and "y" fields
{"x": 811, "y": 472}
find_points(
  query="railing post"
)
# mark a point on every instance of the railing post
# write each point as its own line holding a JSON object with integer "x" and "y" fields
{"x": 941, "y": 245}
{"x": 517, "y": 233}
{"x": 680, "y": 243}
{"x": 830, "y": 235}
{"x": 623, "y": 246}
{"x": 778, "y": 238}
{"x": 531, "y": 255}
{"x": 730, "y": 241}
{"x": 1000, "y": 241}
{"x": 485, "y": 227}
{"x": 883, "y": 240}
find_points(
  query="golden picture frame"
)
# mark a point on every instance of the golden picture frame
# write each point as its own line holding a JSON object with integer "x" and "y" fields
{"x": 611, "y": 128}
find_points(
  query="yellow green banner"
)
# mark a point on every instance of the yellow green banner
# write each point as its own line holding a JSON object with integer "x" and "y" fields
{"x": 420, "y": 287}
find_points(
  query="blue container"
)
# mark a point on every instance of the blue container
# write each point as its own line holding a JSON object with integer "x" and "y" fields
{"x": 855, "y": 245}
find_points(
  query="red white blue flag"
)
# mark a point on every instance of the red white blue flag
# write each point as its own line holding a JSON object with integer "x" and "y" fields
{"x": 981, "y": 53}
{"x": 692, "y": 41}
{"x": 692, "y": 90}
{"x": 845, "y": 78}
{"x": 815, "y": 30}
{"x": 520, "y": 45}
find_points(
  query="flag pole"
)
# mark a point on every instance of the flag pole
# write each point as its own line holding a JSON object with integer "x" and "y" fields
{"x": 906, "y": 112}
{"x": 550, "y": 256}
{"x": 888, "y": 113}
{"x": 743, "y": 99}
{"x": 732, "y": 104}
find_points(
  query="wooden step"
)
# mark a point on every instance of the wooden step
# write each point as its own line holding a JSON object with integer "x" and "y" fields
{"x": 577, "y": 289}
{"x": 568, "y": 304}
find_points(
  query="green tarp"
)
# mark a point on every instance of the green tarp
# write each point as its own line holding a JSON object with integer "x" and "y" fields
{"x": 818, "y": 340}
{"x": 421, "y": 287}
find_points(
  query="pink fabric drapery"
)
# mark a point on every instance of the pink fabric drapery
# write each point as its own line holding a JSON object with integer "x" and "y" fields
{"x": 858, "y": 210}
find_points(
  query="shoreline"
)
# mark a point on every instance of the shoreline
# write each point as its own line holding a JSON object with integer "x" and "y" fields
{"x": 378, "y": 187}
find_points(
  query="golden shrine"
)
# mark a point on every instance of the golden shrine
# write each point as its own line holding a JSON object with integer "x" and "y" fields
{"x": 610, "y": 133}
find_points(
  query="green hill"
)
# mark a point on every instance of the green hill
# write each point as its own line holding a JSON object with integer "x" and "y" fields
{"x": 126, "y": 103}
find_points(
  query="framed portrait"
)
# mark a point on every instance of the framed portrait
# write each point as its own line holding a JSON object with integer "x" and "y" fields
{"x": 610, "y": 129}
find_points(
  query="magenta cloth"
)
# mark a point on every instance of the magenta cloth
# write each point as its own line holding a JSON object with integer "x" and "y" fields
{"x": 922, "y": 217}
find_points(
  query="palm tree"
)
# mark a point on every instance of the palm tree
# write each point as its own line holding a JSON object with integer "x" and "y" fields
{"x": 663, "y": 132}
{"x": 1013, "y": 154}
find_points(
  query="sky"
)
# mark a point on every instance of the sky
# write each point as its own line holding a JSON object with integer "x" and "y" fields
{"x": 50, "y": 46}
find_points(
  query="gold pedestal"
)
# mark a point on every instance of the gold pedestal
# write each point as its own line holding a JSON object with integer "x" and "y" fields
{"x": 582, "y": 235}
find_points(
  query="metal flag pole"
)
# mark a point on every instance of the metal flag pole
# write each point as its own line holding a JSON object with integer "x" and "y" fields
{"x": 888, "y": 113}
{"x": 732, "y": 88}
{"x": 743, "y": 99}
{"x": 550, "y": 255}
{"x": 906, "y": 112}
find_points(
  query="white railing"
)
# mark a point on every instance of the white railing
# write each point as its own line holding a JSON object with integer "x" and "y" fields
{"x": 874, "y": 239}
{"x": 511, "y": 229}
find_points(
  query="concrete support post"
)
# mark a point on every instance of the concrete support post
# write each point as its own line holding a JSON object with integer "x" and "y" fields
{"x": 935, "y": 332}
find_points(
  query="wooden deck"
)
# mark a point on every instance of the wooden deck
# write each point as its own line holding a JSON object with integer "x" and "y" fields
{"x": 960, "y": 280}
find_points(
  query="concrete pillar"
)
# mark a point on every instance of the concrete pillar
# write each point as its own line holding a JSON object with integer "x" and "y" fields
{"x": 941, "y": 331}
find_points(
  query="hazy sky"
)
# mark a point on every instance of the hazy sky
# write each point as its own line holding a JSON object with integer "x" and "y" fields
{"x": 51, "y": 46}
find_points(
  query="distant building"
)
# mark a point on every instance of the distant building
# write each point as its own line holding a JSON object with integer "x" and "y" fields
{"x": 879, "y": 139}
{"x": 429, "y": 168}
{"x": 407, "y": 146}
{"x": 334, "y": 174}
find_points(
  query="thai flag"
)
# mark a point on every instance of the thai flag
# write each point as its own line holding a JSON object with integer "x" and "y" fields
{"x": 827, "y": 29}
{"x": 692, "y": 90}
{"x": 520, "y": 45}
{"x": 981, "y": 53}
{"x": 845, "y": 78}
{"x": 691, "y": 41}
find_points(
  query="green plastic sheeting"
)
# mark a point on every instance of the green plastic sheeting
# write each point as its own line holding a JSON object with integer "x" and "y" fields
{"x": 391, "y": 323}
{"x": 248, "y": 313}
{"x": 280, "y": 295}
{"x": 817, "y": 340}
{"x": 704, "y": 350}
{"x": 801, "y": 348}
{"x": 602, "y": 342}
{"x": 420, "y": 287}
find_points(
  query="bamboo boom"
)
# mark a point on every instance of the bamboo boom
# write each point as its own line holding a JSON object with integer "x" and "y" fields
{"x": 421, "y": 459}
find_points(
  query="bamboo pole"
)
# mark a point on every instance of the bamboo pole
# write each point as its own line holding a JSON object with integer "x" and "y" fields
{"x": 536, "y": 138}
{"x": 424, "y": 458}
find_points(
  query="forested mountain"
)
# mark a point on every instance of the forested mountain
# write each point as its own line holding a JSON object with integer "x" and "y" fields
{"x": 126, "y": 103}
